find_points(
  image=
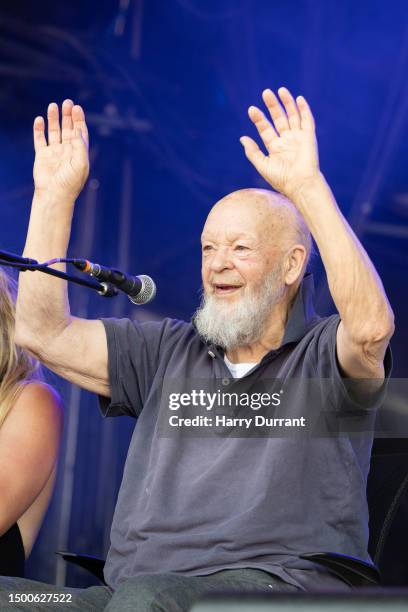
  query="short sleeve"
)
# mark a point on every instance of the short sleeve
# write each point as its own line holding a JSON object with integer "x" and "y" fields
{"x": 133, "y": 358}
{"x": 341, "y": 388}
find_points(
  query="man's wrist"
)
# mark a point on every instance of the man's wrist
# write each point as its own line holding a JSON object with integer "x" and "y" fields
{"x": 50, "y": 225}
{"x": 297, "y": 192}
{"x": 53, "y": 198}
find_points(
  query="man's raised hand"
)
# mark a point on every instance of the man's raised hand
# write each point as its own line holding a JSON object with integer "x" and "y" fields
{"x": 289, "y": 139}
{"x": 61, "y": 166}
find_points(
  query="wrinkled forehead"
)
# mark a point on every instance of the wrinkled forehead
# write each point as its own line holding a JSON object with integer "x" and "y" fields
{"x": 247, "y": 213}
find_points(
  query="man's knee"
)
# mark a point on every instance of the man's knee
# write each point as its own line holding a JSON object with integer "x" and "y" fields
{"x": 18, "y": 593}
{"x": 11, "y": 584}
{"x": 25, "y": 594}
{"x": 154, "y": 593}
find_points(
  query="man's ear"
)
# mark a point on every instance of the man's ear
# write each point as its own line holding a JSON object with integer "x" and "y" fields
{"x": 294, "y": 262}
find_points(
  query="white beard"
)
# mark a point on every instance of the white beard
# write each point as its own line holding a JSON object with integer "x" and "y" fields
{"x": 240, "y": 323}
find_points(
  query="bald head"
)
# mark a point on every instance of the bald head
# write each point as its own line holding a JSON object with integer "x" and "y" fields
{"x": 271, "y": 215}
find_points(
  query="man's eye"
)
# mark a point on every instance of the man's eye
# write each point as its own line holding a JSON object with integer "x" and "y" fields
{"x": 207, "y": 247}
{"x": 241, "y": 247}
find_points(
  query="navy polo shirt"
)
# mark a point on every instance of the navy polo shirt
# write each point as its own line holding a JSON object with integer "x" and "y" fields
{"x": 197, "y": 505}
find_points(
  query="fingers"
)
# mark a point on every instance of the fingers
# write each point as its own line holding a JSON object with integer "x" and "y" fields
{"x": 291, "y": 108}
{"x": 80, "y": 128}
{"x": 279, "y": 117}
{"x": 72, "y": 123}
{"x": 54, "y": 132}
{"x": 253, "y": 153}
{"x": 294, "y": 114}
{"x": 67, "y": 123}
{"x": 39, "y": 134}
{"x": 307, "y": 119}
{"x": 265, "y": 129}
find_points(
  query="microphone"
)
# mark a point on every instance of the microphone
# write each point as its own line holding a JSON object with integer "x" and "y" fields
{"x": 139, "y": 289}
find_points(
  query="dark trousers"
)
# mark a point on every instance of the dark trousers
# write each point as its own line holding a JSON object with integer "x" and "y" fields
{"x": 147, "y": 593}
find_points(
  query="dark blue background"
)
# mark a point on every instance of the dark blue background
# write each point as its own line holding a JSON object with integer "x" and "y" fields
{"x": 166, "y": 86}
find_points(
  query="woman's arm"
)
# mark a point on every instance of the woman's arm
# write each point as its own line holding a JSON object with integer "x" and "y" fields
{"x": 29, "y": 444}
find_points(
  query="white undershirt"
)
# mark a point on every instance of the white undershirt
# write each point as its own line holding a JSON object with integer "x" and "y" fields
{"x": 238, "y": 370}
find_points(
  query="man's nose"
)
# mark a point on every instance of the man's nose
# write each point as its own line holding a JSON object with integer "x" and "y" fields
{"x": 221, "y": 260}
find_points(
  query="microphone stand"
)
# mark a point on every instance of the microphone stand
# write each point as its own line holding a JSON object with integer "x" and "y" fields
{"x": 26, "y": 264}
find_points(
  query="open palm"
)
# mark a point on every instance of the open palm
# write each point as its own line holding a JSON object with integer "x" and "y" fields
{"x": 289, "y": 140}
{"x": 61, "y": 166}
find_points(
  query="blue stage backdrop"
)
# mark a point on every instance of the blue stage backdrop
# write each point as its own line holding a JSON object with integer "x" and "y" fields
{"x": 166, "y": 86}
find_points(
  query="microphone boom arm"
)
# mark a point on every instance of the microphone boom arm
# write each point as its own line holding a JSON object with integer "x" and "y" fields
{"x": 104, "y": 289}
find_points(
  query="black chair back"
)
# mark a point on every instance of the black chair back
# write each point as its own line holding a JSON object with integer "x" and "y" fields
{"x": 387, "y": 495}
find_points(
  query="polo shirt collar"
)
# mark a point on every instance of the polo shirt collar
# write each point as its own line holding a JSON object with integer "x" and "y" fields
{"x": 302, "y": 315}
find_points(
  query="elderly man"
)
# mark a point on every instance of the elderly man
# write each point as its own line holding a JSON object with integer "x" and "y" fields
{"x": 199, "y": 513}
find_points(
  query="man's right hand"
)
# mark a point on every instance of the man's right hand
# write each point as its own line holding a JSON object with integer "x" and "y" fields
{"x": 74, "y": 348}
{"x": 61, "y": 167}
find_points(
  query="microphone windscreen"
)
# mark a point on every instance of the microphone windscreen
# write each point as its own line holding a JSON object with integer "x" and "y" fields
{"x": 147, "y": 292}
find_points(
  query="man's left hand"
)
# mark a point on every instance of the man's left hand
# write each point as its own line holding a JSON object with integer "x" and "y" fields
{"x": 290, "y": 140}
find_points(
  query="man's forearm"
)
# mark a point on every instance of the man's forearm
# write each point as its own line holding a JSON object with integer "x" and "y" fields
{"x": 42, "y": 303}
{"x": 354, "y": 284}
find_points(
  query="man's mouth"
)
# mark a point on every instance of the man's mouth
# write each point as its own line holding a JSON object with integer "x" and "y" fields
{"x": 223, "y": 288}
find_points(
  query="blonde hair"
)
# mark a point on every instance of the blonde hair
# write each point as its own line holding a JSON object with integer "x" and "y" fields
{"x": 17, "y": 367}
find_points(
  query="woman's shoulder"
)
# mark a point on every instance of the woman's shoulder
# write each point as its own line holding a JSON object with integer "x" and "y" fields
{"x": 37, "y": 390}
{"x": 37, "y": 404}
